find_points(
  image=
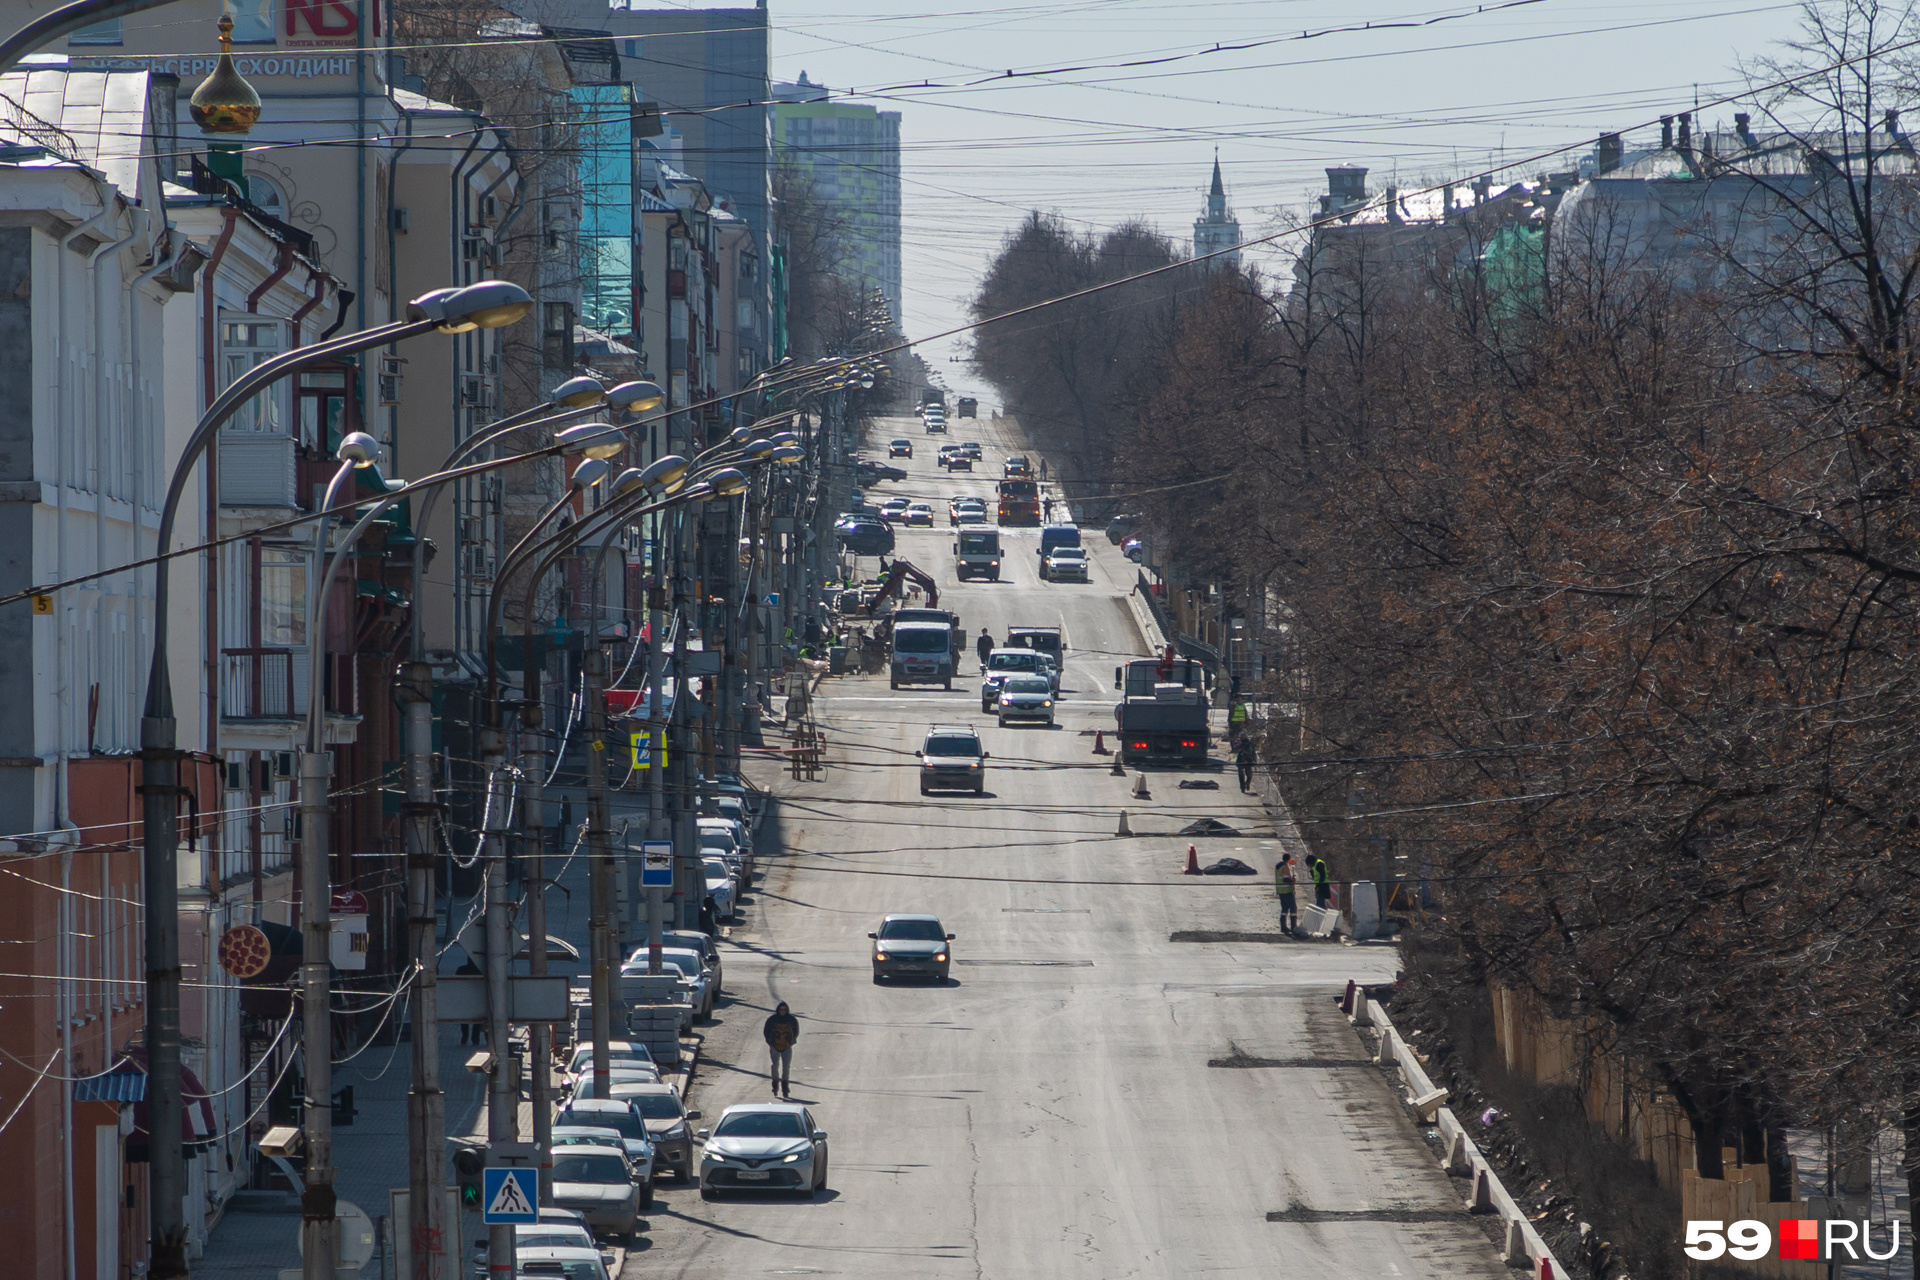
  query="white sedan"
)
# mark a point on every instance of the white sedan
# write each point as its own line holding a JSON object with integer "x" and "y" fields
{"x": 764, "y": 1146}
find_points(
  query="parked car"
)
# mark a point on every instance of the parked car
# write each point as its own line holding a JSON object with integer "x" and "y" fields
{"x": 617, "y": 1050}
{"x": 899, "y": 447}
{"x": 911, "y": 945}
{"x": 705, "y": 991}
{"x": 1024, "y": 698}
{"x": 620, "y": 1116}
{"x": 720, "y": 887}
{"x": 582, "y": 1135}
{"x": 557, "y": 1228}
{"x": 920, "y": 513}
{"x": 705, "y": 944}
{"x": 865, "y": 537}
{"x": 599, "y": 1184}
{"x": 1064, "y": 564}
{"x": 951, "y": 758}
{"x": 537, "y": 1262}
{"x": 764, "y": 1146}
{"x": 1133, "y": 550}
{"x": 1120, "y": 528}
{"x": 625, "y": 1073}
{"x": 666, "y": 1119}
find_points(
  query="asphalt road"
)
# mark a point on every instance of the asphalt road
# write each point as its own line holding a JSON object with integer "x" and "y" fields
{"x": 1050, "y": 1111}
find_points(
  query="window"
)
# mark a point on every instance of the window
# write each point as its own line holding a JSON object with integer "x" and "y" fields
{"x": 913, "y": 931}
{"x": 570, "y": 1168}
{"x": 760, "y": 1124}
{"x": 244, "y": 344}
{"x": 252, "y": 21}
{"x": 283, "y": 598}
{"x": 267, "y": 196}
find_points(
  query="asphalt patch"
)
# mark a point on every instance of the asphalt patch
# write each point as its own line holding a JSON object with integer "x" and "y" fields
{"x": 1247, "y": 1060}
{"x": 1226, "y": 935}
{"x": 1300, "y": 1213}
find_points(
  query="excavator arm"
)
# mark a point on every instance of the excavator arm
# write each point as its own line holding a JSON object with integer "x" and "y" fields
{"x": 902, "y": 570}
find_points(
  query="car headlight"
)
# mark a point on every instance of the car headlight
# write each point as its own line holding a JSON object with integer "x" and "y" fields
{"x": 677, "y": 1132}
{"x": 791, "y": 1157}
{"x": 941, "y": 958}
{"x": 879, "y": 955}
{"x": 1047, "y": 702}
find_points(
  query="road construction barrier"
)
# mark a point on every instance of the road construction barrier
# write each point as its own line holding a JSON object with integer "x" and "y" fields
{"x": 1099, "y": 742}
{"x": 1524, "y": 1246}
{"x": 1193, "y": 862}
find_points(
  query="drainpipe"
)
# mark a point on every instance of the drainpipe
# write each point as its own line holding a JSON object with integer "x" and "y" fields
{"x": 392, "y": 442}
{"x": 279, "y": 273}
{"x": 103, "y": 412}
{"x": 318, "y": 280}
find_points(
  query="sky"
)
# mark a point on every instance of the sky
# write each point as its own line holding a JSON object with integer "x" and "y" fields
{"x": 1099, "y": 143}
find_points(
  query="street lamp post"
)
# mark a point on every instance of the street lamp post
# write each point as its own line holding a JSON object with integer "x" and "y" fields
{"x": 489, "y": 304}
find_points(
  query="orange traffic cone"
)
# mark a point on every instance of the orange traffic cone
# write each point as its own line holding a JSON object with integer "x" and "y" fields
{"x": 1099, "y": 742}
{"x": 1193, "y": 861}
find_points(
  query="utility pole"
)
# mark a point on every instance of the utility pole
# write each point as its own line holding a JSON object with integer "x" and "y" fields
{"x": 657, "y": 828}
{"x": 426, "y": 1104}
{"x": 503, "y": 1102}
{"x": 533, "y": 768}
{"x": 599, "y": 866}
{"x": 317, "y": 1229}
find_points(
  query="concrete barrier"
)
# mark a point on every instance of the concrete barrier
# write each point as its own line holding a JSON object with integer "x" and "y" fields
{"x": 1524, "y": 1247}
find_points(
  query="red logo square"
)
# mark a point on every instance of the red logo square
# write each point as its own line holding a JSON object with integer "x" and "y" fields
{"x": 1800, "y": 1238}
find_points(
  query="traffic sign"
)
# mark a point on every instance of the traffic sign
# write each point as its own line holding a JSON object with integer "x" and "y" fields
{"x": 642, "y": 752}
{"x": 656, "y": 867}
{"x": 509, "y": 1196}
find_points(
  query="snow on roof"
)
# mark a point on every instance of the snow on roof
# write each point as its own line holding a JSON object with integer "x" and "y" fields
{"x": 97, "y": 118}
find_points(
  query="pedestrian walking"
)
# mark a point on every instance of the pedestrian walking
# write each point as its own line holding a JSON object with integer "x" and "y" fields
{"x": 1243, "y": 759}
{"x": 781, "y": 1031}
{"x": 1322, "y": 890}
{"x": 1046, "y": 509}
{"x": 1283, "y": 886}
{"x": 984, "y": 646}
{"x": 471, "y": 1032}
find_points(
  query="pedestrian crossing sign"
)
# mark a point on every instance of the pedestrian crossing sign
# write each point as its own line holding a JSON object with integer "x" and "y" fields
{"x": 509, "y": 1196}
{"x": 642, "y": 751}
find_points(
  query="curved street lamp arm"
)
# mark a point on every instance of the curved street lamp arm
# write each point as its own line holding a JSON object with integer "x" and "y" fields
{"x": 159, "y": 688}
{"x": 508, "y": 566}
{"x": 64, "y": 21}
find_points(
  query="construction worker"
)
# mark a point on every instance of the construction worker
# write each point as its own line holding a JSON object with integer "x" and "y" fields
{"x": 1283, "y": 885}
{"x": 1322, "y": 889}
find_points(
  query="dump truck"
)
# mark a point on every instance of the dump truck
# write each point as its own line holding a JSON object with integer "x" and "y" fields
{"x": 1162, "y": 712}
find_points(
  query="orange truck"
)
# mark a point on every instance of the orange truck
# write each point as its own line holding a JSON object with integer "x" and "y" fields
{"x": 1019, "y": 502}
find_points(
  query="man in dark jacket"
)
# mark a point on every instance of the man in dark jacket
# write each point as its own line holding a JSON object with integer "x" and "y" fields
{"x": 983, "y": 646}
{"x": 781, "y": 1030}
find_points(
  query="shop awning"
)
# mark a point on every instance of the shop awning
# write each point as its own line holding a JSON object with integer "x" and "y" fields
{"x": 197, "y": 1127}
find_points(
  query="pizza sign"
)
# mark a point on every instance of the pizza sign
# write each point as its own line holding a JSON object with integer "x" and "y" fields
{"x": 244, "y": 951}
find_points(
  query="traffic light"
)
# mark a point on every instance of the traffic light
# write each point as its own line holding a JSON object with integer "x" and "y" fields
{"x": 468, "y": 1164}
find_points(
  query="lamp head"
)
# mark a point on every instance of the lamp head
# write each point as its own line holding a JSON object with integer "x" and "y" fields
{"x": 579, "y": 393}
{"x": 784, "y": 437}
{"x": 787, "y": 454}
{"x": 726, "y": 482}
{"x": 666, "y": 474}
{"x": 359, "y": 448}
{"x": 740, "y": 434}
{"x": 589, "y": 473}
{"x": 638, "y": 396}
{"x": 486, "y": 305}
{"x": 591, "y": 440}
{"x": 759, "y": 449}
{"x": 629, "y": 480}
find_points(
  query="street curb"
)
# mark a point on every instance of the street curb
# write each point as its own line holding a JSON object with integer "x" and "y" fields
{"x": 1524, "y": 1245}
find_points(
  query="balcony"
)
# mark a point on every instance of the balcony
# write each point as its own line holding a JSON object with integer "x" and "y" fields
{"x": 271, "y": 684}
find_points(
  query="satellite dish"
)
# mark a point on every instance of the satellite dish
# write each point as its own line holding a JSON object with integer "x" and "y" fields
{"x": 354, "y": 1242}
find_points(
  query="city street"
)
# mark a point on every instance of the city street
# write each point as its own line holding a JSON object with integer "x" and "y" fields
{"x": 1050, "y": 1111}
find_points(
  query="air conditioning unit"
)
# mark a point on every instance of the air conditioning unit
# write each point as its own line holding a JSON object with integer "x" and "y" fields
{"x": 477, "y": 564}
{"x": 472, "y": 248}
{"x": 391, "y": 370}
{"x": 476, "y": 389}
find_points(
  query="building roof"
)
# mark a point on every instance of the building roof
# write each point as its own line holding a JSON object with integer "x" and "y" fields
{"x": 97, "y": 118}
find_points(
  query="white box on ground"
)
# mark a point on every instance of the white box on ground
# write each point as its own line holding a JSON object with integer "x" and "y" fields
{"x": 1365, "y": 913}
